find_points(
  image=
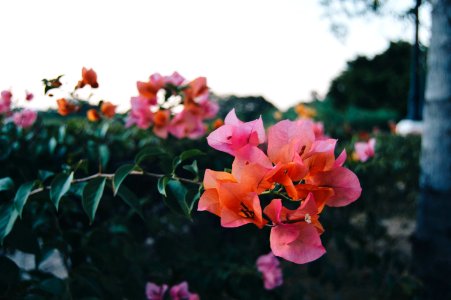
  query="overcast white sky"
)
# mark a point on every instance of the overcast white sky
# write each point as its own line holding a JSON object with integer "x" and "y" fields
{"x": 280, "y": 49}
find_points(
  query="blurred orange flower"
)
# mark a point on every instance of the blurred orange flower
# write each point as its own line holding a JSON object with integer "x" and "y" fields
{"x": 88, "y": 77}
{"x": 93, "y": 115}
{"x": 66, "y": 107}
{"x": 108, "y": 109}
{"x": 304, "y": 111}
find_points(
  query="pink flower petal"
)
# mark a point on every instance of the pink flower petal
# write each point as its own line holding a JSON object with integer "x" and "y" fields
{"x": 345, "y": 184}
{"x": 299, "y": 243}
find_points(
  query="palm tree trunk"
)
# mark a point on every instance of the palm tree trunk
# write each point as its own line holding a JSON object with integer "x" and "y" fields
{"x": 432, "y": 240}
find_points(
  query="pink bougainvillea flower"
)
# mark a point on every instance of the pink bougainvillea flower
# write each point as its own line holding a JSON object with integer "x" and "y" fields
{"x": 295, "y": 236}
{"x": 321, "y": 156}
{"x": 196, "y": 91}
{"x": 175, "y": 79}
{"x": 235, "y": 134}
{"x": 187, "y": 124}
{"x": 180, "y": 292}
{"x": 149, "y": 90}
{"x": 365, "y": 150}
{"x": 161, "y": 121}
{"x": 5, "y": 102}
{"x": 140, "y": 114}
{"x": 25, "y": 118}
{"x": 269, "y": 266}
{"x": 88, "y": 77}
{"x": 345, "y": 184}
{"x": 289, "y": 140}
{"x": 155, "y": 292}
{"x": 28, "y": 96}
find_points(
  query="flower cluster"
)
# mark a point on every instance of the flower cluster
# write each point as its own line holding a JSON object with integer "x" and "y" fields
{"x": 172, "y": 105}
{"x": 269, "y": 266}
{"x": 69, "y": 105}
{"x": 299, "y": 173}
{"x": 177, "y": 292}
{"x": 23, "y": 118}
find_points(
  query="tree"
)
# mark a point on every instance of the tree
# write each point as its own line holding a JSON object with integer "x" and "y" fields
{"x": 374, "y": 83}
{"x": 432, "y": 242}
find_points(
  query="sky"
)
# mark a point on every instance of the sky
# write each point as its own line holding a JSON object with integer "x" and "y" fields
{"x": 282, "y": 50}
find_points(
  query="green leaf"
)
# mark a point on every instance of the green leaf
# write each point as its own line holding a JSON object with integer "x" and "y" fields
{"x": 104, "y": 155}
{"x": 52, "y": 145}
{"x": 161, "y": 185}
{"x": 44, "y": 174}
{"x": 92, "y": 193}
{"x": 131, "y": 200}
{"x": 61, "y": 133}
{"x": 22, "y": 196}
{"x": 184, "y": 156}
{"x": 54, "y": 286}
{"x": 8, "y": 216}
{"x": 59, "y": 187}
{"x": 177, "y": 193}
{"x": 120, "y": 175}
{"x": 150, "y": 152}
{"x": 6, "y": 184}
{"x": 193, "y": 169}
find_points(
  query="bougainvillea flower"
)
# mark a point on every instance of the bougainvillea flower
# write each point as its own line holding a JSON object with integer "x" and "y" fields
{"x": 66, "y": 107}
{"x": 209, "y": 200}
{"x": 5, "y": 101}
{"x": 180, "y": 292}
{"x": 320, "y": 194}
{"x": 149, "y": 90}
{"x": 140, "y": 113}
{"x": 93, "y": 115}
{"x": 235, "y": 202}
{"x": 187, "y": 124}
{"x": 321, "y": 156}
{"x": 289, "y": 140}
{"x": 217, "y": 123}
{"x": 161, "y": 121}
{"x": 108, "y": 109}
{"x": 28, "y": 96}
{"x": 25, "y": 118}
{"x": 295, "y": 236}
{"x": 345, "y": 184}
{"x": 196, "y": 91}
{"x": 235, "y": 134}
{"x": 175, "y": 79}
{"x": 155, "y": 292}
{"x": 365, "y": 150}
{"x": 269, "y": 266}
{"x": 88, "y": 77}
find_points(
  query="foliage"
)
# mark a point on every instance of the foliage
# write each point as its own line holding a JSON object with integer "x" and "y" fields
{"x": 381, "y": 82}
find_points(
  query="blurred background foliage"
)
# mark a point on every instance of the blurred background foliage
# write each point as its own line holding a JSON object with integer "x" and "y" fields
{"x": 59, "y": 255}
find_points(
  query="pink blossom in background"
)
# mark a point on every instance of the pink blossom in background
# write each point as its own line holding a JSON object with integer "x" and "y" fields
{"x": 269, "y": 266}
{"x": 174, "y": 79}
{"x": 180, "y": 292}
{"x": 155, "y": 292}
{"x": 365, "y": 150}
{"x": 28, "y": 96}
{"x": 187, "y": 124}
{"x": 25, "y": 118}
{"x": 140, "y": 114}
{"x": 5, "y": 101}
